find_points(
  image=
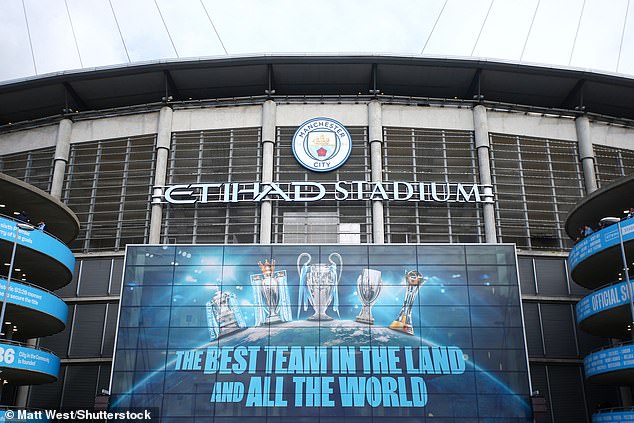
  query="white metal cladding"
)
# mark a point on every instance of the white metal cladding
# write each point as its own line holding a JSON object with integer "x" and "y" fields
{"x": 431, "y": 154}
{"x": 108, "y": 185}
{"x": 537, "y": 182}
{"x": 203, "y": 156}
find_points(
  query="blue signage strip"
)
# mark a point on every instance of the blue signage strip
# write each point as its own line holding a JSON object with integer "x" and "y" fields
{"x": 39, "y": 241}
{"x": 36, "y": 299}
{"x": 609, "y": 360}
{"x": 599, "y": 241}
{"x": 616, "y": 416}
{"x": 604, "y": 299}
{"x": 28, "y": 359}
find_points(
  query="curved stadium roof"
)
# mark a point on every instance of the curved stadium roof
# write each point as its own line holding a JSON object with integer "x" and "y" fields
{"x": 147, "y": 85}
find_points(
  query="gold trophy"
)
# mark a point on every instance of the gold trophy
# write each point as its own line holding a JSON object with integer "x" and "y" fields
{"x": 403, "y": 322}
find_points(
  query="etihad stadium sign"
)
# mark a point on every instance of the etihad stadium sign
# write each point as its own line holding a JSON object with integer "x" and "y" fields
{"x": 236, "y": 192}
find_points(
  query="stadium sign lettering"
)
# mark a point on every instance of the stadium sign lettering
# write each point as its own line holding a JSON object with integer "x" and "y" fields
{"x": 235, "y": 192}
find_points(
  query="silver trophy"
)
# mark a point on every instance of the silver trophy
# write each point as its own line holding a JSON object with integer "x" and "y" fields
{"x": 271, "y": 295}
{"x": 223, "y": 315}
{"x": 318, "y": 285}
{"x": 369, "y": 284}
{"x": 403, "y": 323}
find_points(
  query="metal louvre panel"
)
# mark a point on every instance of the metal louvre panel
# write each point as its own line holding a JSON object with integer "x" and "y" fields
{"x": 33, "y": 167}
{"x": 566, "y": 393}
{"x": 80, "y": 386}
{"x": 108, "y": 185}
{"x": 536, "y": 182}
{"x": 551, "y": 276}
{"x": 110, "y": 329}
{"x": 527, "y": 275}
{"x": 533, "y": 330}
{"x": 354, "y": 217}
{"x": 559, "y": 330}
{"x": 612, "y": 163}
{"x": 433, "y": 155}
{"x": 227, "y": 155}
{"x": 87, "y": 331}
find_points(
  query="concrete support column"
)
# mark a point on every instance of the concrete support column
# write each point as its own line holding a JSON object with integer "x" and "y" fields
{"x": 586, "y": 153}
{"x": 269, "y": 110}
{"x": 163, "y": 141}
{"x": 375, "y": 137}
{"x": 62, "y": 150}
{"x": 483, "y": 146}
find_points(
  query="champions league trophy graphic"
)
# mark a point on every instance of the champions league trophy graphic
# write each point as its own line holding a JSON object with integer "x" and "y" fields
{"x": 223, "y": 315}
{"x": 271, "y": 295}
{"x": 403, "y": 322}
{"x": 369, "y": 284}
{"x": 318, "y": 285}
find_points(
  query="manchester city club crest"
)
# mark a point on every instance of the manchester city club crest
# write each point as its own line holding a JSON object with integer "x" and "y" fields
{"x": 322, "y": 144}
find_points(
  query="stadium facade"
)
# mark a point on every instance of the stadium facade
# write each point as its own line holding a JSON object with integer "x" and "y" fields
{"x": 443, "y": 151}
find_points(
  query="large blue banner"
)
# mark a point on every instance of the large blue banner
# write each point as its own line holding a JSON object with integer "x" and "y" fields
{"x": 599, "y": 241}
{"x": 30, "y": 359}
{"x": 604, "y": 299}
{"x": 609, "y": 360}
{"x": 34, "y": 298}
{"x": 38, "y": 241}
{"x": 614, "y": 417}
{"x": 322, "y": 333}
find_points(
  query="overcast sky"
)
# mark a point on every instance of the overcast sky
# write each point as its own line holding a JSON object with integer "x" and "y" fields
{"x": 43, "y": 36}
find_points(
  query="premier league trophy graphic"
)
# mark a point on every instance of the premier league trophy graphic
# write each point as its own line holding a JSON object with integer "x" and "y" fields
{"x": 271, "y": 295}
{"x": 318, "y": 285}
{"x": 403, "y": 322}
{"x": 223, "y": 315}
{"x": 369, "y": 284}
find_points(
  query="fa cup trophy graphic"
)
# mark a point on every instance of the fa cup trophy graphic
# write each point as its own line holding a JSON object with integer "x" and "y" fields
{"x": 271, "y": 295}
{"x": 223, "y": 315}
{"x": 369, "y": 284}
{"x": 318, "y": 285}
{"x": 403, "y": 322}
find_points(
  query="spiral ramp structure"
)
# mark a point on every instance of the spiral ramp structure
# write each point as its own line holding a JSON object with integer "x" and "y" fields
{"x": 597, "y": 262}
{"x": 41, "y": 262}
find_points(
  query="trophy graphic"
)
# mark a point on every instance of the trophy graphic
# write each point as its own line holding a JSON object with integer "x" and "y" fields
{"x": 271, "y": 295}
{"x": 223, "y": 315}
{"x": 318, "y": 285}
{"x": 403, "y": 322}
{"x": 369, "y": 284}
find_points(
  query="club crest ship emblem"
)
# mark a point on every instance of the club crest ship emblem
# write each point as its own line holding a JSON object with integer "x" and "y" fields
{"x": 322, "y": 144}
